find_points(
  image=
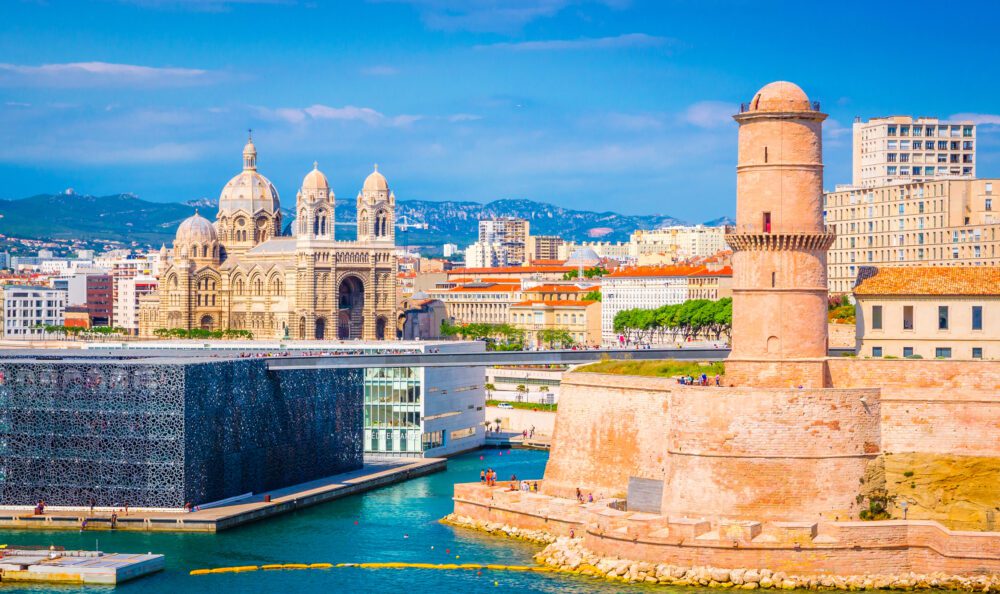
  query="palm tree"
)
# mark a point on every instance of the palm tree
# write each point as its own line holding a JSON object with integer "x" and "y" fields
{"x": 521, "y": 391}
{"x": 490, "y": 388}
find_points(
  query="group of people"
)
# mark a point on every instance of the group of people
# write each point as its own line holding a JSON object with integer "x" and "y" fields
{"x": 337, "y": 353}
{"x": 703, "y": 380}
{"x": 579, "y": 496}
{"x": 488, "y": 477}
{"x": 528, "y": 433}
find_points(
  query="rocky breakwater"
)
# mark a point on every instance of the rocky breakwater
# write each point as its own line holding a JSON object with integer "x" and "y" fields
{"x": 498, "y": 529}
{"x": 570, "y": 556}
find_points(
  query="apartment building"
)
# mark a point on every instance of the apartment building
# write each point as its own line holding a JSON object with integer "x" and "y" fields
{"x": 948, "y": 222}
{"x": 509, "y": 232}
{"x": 902, "y": 149}
{"x": 929, "y": 312}
{"x": 580, "y": 319}
{"x": 27, "y": 309}
{"x": 544, "y": 247}
{"x": 479, "y": 302}
{"x": 128, "y": 292}
{"x": 485, "y": 255}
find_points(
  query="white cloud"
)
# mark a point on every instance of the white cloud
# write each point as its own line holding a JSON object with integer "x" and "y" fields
{"x": 989, "y": 119}
{"x": 464, "y": 117}
{"x": 95, "y": 74}
{"x": 710, "y": 114}
{"x": 493, "y": 16}
{"x": 380, "y": 70}
{"x": 587, "y": 43}
{"x": 201, "y": 5}
{"x": 351, "y": 113}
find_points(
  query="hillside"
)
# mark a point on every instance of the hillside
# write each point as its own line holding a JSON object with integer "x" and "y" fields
{"x": 126, "y": 217}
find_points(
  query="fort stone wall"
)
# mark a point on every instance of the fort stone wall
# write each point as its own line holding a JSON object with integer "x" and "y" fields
{"x": 608, "y": 428}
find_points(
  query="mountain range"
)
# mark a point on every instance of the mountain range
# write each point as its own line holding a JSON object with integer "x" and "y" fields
{"x": 128, "y": 218}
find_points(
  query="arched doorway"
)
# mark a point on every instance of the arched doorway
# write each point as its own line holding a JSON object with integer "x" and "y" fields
{"x": 206, "y": 322}
{"x": 350, "y": 303}
{"x": 320, "y": 329}
{"x": 302, "y": 328}
{"x": 380, "y": 328}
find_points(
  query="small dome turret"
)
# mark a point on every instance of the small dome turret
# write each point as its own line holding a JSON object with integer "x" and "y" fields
{"x": 315, "y": 180}
{"x": 196, "y": 229}
{"x": 780, "y": 96}
{"x": 375, "y": 182}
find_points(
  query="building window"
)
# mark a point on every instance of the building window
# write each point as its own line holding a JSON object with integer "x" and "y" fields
{"x": 942, "y": 353}
{"x": 977, "y": 352}
{"x": 876, "y": 317}
{"x": 942, "y": 317}
{"x": 977, "y": 317}
{"x": 767, "y": 222}
{"x": 907, "y": 317}
{"x": 907, "y": 351}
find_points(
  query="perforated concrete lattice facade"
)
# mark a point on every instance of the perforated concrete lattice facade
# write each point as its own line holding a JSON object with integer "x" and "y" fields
{"x": 162, "y": 433}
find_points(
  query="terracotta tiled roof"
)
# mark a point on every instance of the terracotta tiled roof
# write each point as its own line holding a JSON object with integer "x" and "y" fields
{"x": 557, "y": 289}
{"x": 511, "y": 270}
{"x": 495, "y": 288}
{"x": 928, "y": 280}
{"x": 653, "y": 271}
{"x": 555, "y": 303}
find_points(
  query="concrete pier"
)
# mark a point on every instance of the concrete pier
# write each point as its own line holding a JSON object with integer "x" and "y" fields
{"x": 375, "y": 474}
{"x": 75, "y": 567}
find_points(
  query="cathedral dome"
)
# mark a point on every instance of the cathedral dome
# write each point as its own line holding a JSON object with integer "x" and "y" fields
{"x": 376, "y": 182}
{"x": 780, "y": 96}
{"x": 249, "y": 191}
{"x": 315, "y": 180}
{"x": 196, "y": 229}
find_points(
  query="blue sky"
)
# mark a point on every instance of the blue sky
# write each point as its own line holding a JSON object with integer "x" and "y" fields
{"x": 599, "y": 104}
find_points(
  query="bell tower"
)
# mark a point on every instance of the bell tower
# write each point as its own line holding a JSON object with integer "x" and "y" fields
{"x": 780, "y": 244}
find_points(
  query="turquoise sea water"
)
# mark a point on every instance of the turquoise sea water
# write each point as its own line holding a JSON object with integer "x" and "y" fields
{"x": 397, "y": 523}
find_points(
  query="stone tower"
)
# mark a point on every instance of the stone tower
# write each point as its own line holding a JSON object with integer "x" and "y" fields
{"x": 376, "y": 210}
{"x": 780, "y": 244}
{"x": 315, "y": 207}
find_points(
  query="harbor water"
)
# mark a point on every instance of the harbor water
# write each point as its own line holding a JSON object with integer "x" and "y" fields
{"x": 396, "y": 523}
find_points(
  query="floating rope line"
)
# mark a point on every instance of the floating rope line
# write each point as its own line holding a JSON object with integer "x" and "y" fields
{"x": 392, "y": 565}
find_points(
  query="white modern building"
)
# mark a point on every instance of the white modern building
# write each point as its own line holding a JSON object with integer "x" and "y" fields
{"x": 27, "y": 309}
{"x": 484, "y": 254}
{"x": 645, "y": 287}
{"x": 128, "y": 290}
{"x": 904, "y": 149}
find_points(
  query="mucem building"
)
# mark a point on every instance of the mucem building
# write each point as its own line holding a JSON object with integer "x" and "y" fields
{"x": 163, "y": 432}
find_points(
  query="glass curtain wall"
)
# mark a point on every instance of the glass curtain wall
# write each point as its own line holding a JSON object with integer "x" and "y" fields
{"x": 392, "y": 411}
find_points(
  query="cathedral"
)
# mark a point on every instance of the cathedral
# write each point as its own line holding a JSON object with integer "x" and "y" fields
{"x": 246, "y": 272}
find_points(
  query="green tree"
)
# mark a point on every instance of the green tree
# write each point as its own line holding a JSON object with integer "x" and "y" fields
{"x": 556, "y": 336}
{"x": 596, "y": 271}
{"x": 490, "y": 388}
{"x": 521, "y": 391}
{"x": 592, "y": 296}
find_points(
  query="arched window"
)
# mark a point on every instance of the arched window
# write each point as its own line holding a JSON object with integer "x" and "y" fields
{"x": 363, "y": 224}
